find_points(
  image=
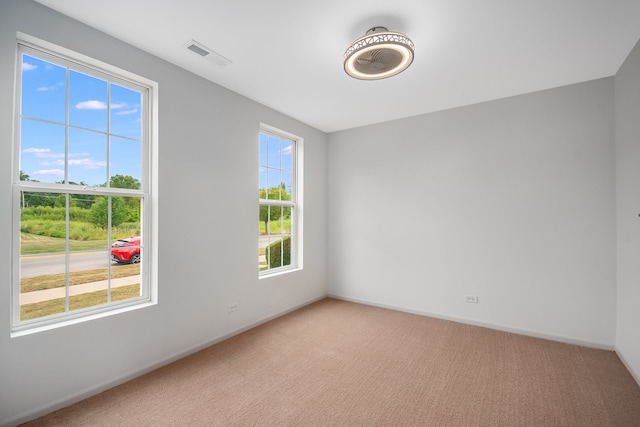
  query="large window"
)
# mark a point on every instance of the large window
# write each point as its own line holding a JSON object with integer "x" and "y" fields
{"x": 280, "y": 215}
{"x": 82, "y": 188}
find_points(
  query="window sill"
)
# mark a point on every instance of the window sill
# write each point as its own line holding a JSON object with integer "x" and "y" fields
{"x": 25, "y": 330}
{"x": 279, "y": 272}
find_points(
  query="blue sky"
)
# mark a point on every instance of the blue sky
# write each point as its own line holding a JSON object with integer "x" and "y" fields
{"x": 104, "y": 125}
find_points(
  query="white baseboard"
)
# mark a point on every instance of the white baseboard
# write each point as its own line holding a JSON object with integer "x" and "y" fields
{"x": 92, "y": 391}
{"x": 498, "y": 327}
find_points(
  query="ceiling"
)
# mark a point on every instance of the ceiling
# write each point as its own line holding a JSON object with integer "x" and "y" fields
{"x": 287, "y": 54}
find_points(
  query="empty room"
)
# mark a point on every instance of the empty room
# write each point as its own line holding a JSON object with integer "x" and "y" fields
{"x": 446, "y": 227}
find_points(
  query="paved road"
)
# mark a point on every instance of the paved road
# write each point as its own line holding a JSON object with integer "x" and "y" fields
{"x": 38, "y": 265}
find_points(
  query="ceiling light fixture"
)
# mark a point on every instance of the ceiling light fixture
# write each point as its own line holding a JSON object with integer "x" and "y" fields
{"x": 378, "y": 55}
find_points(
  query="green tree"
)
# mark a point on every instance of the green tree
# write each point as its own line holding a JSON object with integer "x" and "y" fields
{"x": 99, "y": 215}
{"x": 60, "y": 201}
{"x": 124, "y": 181}
{"x": 133, "y": 203}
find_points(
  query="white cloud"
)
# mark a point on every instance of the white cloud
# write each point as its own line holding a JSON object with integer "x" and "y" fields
{"x": 48, "y": 88}
{"x": 49, "y": 172}
{"x": 43, "y": 153}
{"x": 28, "y": 67}
{"x": 36, "y": 150}
{"x": 91, "y": 105}
{"x": 88, "y": 163}
{"x": 122, "y": 113}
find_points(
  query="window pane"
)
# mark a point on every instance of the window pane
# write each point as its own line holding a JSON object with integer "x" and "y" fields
{"x": 263, "y": 240}
{"x": 126, "y": 223}
{"x": 273, "y": 152}
{"x": 273, "y": 184}
{"x": 43, "y": 89}
{"x": 286, "y": 251}
{"x": 87, "y": 157}
{"x": 264, "y": 219}
{"x": 125, "y": 279}
{"x": 127, "y": 248}
{"x": 42, "y": 151}
{"x": 126, "y": 112}
{"x": 42, "y": 282}
{"x": 279, "y": 253}
{"x": 263, "y": 184}
{"x": 285, "y": 221}
{"x": 286, "y": 180}
{"x": 287, "y": 156}
{"x": 125, "y": 161}
{"x": 275, "y": 213}
{"x": 126, "y": 254}
{"x": 87, "y": 101}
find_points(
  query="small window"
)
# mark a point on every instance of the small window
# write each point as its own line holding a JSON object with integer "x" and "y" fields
{"x": 82, "y": 188}
{"x": 280, "y": 213}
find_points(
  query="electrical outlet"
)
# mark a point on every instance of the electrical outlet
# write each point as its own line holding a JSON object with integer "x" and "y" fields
{"x": 233, "y": 307}
{"x": 471, "y": 298}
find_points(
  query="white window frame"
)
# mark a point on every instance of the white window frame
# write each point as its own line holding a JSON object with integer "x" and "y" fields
{"x": 148, "y": 192}
{"x": 296, "y": 202}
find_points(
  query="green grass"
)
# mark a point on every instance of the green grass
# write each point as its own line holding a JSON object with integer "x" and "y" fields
{"x": 33, "y": 244}
{"x": 49, "y": 281}
{"x": 78, "y": 230}
{"x": 275, "y": 226}
{"x": 90, "y": 299}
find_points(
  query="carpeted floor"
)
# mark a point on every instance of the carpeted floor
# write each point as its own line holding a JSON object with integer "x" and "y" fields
{"x": 336, "y": 363}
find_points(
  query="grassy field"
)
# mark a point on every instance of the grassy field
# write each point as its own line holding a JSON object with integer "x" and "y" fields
{"x": 34, "y": 244}
{"x": 90, "y": 299}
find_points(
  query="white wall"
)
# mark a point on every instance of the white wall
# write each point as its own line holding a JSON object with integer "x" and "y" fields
{"x": 207, "y": 219}
{"x": 511, "y": 200}
{"x": 627, "y": 128}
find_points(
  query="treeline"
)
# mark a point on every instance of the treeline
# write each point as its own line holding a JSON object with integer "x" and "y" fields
{"x": 39, "y": 207}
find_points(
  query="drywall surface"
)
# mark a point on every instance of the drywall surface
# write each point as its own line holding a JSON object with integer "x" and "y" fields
{"x": 627, "y": 128}
{"x": 512, "y": 201}
{"x": 208, "y": 178}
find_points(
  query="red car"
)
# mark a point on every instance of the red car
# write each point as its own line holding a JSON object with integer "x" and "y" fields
{"x": 126, "y": 251}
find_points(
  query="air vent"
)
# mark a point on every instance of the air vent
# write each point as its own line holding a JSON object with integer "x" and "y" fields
{"x": 205, "y": 52}
{"x": 197, "y": 49}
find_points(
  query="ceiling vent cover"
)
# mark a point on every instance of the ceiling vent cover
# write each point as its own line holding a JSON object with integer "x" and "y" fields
{"x": 207, "y": 53}
{"x": 378, "y": 55}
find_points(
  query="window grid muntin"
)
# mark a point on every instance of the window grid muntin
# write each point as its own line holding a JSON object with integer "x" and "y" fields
{"x": 57, "y": 58}
{"x": 110, "y": 79}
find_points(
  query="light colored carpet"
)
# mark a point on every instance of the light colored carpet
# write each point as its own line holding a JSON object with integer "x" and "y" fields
{"x": 336, "y": 363}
